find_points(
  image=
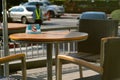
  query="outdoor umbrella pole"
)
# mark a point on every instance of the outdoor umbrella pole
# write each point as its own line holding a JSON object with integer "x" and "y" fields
{"x": 5, "y": 37}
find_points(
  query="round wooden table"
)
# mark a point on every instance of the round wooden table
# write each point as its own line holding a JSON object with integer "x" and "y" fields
{"x": 49, "y": 38}
{"x": 15, "y": 28}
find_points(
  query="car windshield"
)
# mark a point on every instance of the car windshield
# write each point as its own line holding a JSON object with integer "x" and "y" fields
{"x": 30, "y": 8}
{"x": 47, "y": 3}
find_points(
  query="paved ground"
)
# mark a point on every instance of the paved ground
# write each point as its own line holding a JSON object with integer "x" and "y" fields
{"x": 70, "y": 72}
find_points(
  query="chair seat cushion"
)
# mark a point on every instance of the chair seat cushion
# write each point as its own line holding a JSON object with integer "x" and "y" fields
{"x": 86, "y": 56}
{"x": 95, "y": 77}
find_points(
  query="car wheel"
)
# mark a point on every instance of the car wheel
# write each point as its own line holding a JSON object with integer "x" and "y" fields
{"x": 52, "y": 14}
{"x": 24, "y": 20}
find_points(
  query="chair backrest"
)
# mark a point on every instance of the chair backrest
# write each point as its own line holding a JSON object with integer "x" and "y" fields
{"x": 93, "y": 15}
{"x": 96, "y": 30}
{"x": 111, "y": 66}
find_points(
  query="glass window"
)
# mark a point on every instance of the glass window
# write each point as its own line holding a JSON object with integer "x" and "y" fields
{"x": 32, "y": 3}
{"x": 47, "y": 3}
{"x": 13, "y": 10}
{"x": 30, "y": 8}
{"x": 41, "y": 4}
{"x": 20, "y": 9}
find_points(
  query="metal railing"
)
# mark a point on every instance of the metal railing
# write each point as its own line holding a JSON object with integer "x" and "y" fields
{"x": 39, "y": 50}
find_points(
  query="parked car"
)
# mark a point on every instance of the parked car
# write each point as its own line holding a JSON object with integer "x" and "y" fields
{"x": 24, "y": 14}
{"x": 54, "y": 10}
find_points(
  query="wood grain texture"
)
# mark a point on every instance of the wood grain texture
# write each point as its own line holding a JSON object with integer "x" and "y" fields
{"x": 50, "y": 36}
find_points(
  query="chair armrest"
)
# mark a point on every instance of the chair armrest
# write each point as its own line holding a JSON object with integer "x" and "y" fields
{"x": 82, "y": 62}
{"x": 13, "y": 57}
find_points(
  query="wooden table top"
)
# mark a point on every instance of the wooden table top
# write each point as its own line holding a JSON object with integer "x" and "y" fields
{"x": 50, "y": 36}
{"x": 15, "y": 26}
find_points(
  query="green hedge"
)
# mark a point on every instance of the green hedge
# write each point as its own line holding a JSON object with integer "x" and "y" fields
{"x": 11, "y": 3}
{"x": 78, "y": 6}
{"x": 115, "y": 14}
{"x": 81, "y": 6}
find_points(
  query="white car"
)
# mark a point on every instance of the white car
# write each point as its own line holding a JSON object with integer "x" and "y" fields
{"x": 54, "y": 10}
{"x": 24, "y": 14}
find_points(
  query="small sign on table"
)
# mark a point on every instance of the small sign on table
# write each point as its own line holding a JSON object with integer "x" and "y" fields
{"x": 33, "y": 29}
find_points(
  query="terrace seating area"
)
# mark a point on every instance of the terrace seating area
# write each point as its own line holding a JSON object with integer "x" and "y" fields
{"x": 71, "y": 72}
{"x": 48, "y": 56}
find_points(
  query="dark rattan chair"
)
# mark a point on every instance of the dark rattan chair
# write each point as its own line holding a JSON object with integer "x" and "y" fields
{"x": 89, "y": 50}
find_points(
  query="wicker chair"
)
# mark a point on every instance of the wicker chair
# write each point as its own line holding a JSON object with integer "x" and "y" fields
{"x": 89, "y": 50}
{"x": 111, "y": 56}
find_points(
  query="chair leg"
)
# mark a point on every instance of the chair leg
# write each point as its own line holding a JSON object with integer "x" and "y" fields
{"x": 24, "y": 77}
{"x": 80, "y": 71}
{"x": 59, "y": 70}
{"x": 1, "y": 70}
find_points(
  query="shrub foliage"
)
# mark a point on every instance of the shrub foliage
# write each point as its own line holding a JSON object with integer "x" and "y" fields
{"x": 115, "y": 14}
